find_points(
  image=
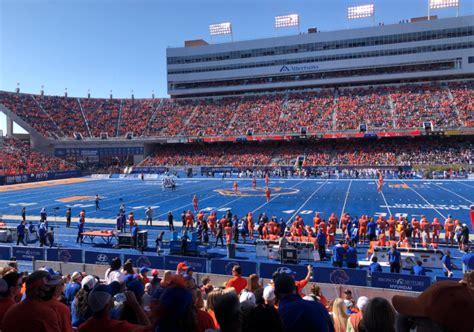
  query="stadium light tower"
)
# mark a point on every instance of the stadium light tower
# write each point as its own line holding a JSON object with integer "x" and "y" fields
{"x": 65, "y": 92}
{"x": 42, "y": 90}
{"x": 286, "y": 21}
{"x": 221, "y": 29}
{"x": 18, "y": 88}
{"x": 362, "y": 11}
{"x": 89, "y": 93}
{"x": 440, "y": 4}
{"x": 153, "y": 94}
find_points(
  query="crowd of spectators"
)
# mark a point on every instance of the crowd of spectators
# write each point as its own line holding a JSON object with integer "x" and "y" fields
{"x": 414, "y": 104}
{"x": 18, "y": 158}
{"x": 312, "y": 110}
{"x": 136, "y": 113}
{"x": 406, "y": 106}
{"x": 28, "y": 110}
{"x": 102, "y": 115}
{"x": 369, "y": 106}
{"x": 129, "y": 298}
{"x": 422, "y": 151}
{"x": 171, "y": 117}
{"x": 463, "y": 96}
{"x": 66, "y": 114}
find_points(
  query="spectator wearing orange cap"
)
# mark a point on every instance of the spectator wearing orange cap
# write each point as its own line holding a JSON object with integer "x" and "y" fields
{"x": 444, "y": 306}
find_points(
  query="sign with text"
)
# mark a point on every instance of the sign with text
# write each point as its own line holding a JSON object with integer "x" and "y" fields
{"x": 400, "y": 281}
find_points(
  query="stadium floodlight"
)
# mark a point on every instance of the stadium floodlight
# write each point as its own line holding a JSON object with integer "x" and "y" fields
{"x": 438, "y": 4}
{"x": 362, "y": 11}
{"x": 224, "y": 28}
{"x": 286, "y": 21}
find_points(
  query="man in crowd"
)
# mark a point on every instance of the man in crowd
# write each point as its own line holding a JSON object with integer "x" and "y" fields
{"x": 447, "y": 266}
{"x": 149, "y": 216}
{"x": 45, "y": 313}
{"x": 296, "y": 313}
{"x": 375, "y": 265}
{"x": 394, "y": 259}
{"x": 73, "y": 287}
{"x": 20, "y": 229}
{"x": 101, "y": 303}
{"x": 237, "y": 281}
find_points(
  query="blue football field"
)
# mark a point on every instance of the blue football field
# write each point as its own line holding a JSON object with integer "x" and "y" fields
{"x": 290, "y": 197}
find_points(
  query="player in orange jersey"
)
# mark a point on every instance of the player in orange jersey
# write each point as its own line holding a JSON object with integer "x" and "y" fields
{"x": 331, "y": 233}
{"x": 316, "y": 220}
{"x": 436, "y": 226}
{"x": 228, "y": 233}
{"x": 189, "y": 220}
{"x": 391, "y": 228}
{"x": 195, "y": 203}
{"x": 254, "y": 183}
{"x": 425, "y": 227}
{"x": 416, "y": 229}
{"x": 345, "y": 219}
{"x": 363, "y": 228}
{"x": 236, "y": 187}
{"x": 449, "y": 230}
{"x": 250, "y": 225}
{"x": 211, "y": 220}
{"x": 382, "y": 224}
{"x": 268, "y": 193}
{"x": 380, "y": 182}
{"x": 267, "y": 180}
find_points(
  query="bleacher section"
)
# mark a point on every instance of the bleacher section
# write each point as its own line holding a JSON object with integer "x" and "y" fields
{"x": 17, "y": 157}
{"x": 323, "y": 153}
{"x": 446, "y": 105}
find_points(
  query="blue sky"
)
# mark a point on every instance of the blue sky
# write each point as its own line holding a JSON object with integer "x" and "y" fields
{"x": 120, "y": 44}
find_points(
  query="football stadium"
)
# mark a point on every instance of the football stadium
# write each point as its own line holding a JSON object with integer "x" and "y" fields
{"x": 300, "y": 178}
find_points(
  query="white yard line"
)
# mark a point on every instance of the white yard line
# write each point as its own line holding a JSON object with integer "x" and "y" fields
{"x": 308, "y": 199}
{"x": 452, "y": 192}
{"x": 426, "y": 201}
{"x": 345, "y": 200}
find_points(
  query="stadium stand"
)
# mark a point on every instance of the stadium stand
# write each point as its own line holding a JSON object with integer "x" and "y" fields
{"x": 17, "y": 157}
{"x": 26, "y": 107}
{"x": 382, "y": 108}
{"x": 325, "y": 153}
{"x": 102, "y": 115}
{"x": 66, "y": 114}
{"x": 136, "y": 114}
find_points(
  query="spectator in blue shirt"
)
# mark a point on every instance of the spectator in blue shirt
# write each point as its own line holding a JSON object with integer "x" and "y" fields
{"x": 394, "y": 259}
{"x": 73, "y": 287}
{"x": 338, "y": 252}
{"x": 355, "y": 233}
{"x": 418, "y": 269}
{"x": 31, "y": 231}
{"x": 298, "y": 314}
{"x": 80, "y": 230}
{"x": 42, "y": 229}
{"x": 375, "y": 266}
{"x": 134, "y": 235}
{"x": 447, "y": 267}
{"x": 372, "y": 230}
{"x": 321, "y": 238}
{"x": 20, "y": 230}
{"x": 351, "y": 256}
{"x": 467, "y": 261}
